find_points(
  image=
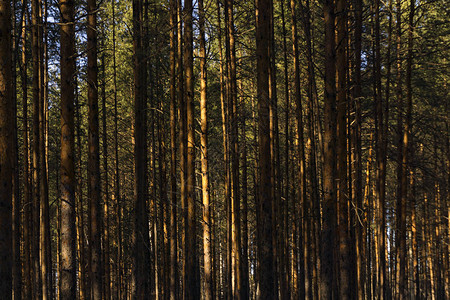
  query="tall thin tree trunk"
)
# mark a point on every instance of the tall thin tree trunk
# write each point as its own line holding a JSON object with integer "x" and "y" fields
{"x": 68, "y": 233}
{"x": 245, "y": 292}
{"x": 266, "y": 268}
{"x": 182, "y": 142}
{"x": 192, "y": 290}
{"x": 225, "y": 142}
{"x": 116, "y": 160}
{"x": 16, "y": 199}
{"x": 356, "y": 152}
{"x": 329, "y": 168}
{"x": 304, "y": 284}
{"x": 207, "y": 263}
{"x": 141, "y": 275}
{"x": 236, "y": 268}
{"x": 381, "y": 160}
{"x": 27, "y": 292}
{"x": 37, "y": 286}
{"x": 284, "y": 239}
{"x": 106, "y": 196}
{"x": 6, "y": 148}
{"x": 94, "y": 181}
{"x": 173, "y": 289}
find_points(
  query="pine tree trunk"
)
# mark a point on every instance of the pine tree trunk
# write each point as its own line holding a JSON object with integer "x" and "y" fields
{"x": 94, "y": 181}
{"x": 141, "y": 276}
{"x": 68, "y": 233}
{"x": 329, "y": 170}
{"x": 6, "y": 148}
{"x": 304, "y": 284}
{"x": 27, "y": 200}
{"x": 106, "y": 196}
{"x": 173, "y": 289}
{"x": 192, "y": 272}
{"x": 37, "y": 286}
{"x": 207, "y": 263}
{"x": 284, "y": 239}
{"x": 266, "y": 270}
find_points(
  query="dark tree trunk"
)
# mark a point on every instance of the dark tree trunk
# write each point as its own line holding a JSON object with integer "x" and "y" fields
{"x": 329, "y": 169}
{"x": 6, "y": 148}
{"x": 68, "y": 232}
{"x": 266, "y": 270}
{"x": 94, "y": 183}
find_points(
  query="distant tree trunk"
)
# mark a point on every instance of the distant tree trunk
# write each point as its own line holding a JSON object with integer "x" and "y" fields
{"x": 68, "y": 233}
{"x": 94, "y": 181}
{"x": 84, "y": 282}
{"x": 304, "y": 284}
{"x": 404, "y": 140}
{"x": 27, "y": 192}
{"x": 119, "y": 271}
{"x": 182, "y": 142}
{"x": 356, "y": 153}
{"x": 173, "y": 289}
{"x": 266, "y": 270}
{"x": 381, "y": 166}
{"x": 37, "y": 286}
{"x": 6, "y": 148}
{"x": 16, "y": 199}
{"x": 414, "y": 249}
{"x": 402, "y": 189}
{"x": 206, "y": 224}
{"x": 192, "y": 274}
{"x": 284, "y": 239}
{"x": 245, "y": 292}
{"x": 341, "y": 151}
{"x": 236, "y": 268}
{"x": 106, "y": 196}
{"x": 311, "y": 152}
{"x": 274, "y": 152}
{"x": 226, "y": 154}
{"x": 45, "y": 245}
{"x": 329, "y": 203}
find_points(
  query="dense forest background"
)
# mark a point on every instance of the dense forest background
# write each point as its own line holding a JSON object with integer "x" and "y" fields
{"x": 221, "y": 149}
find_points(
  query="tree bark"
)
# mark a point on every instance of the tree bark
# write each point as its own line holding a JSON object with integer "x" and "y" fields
{"x": 68, "y": 233}
{"x": 192, "y": 290}
{"x": 329, "y": 202}
{"x": 266, "y": 268}
{"x": 94, "y": 183}
{"x": 206, "y": 224}
{"x": 6, "y": 148}
{"x": 173, "y": 289}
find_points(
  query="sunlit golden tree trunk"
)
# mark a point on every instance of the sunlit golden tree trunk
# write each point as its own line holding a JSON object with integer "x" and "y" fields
{"x": 206, "y": 224}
